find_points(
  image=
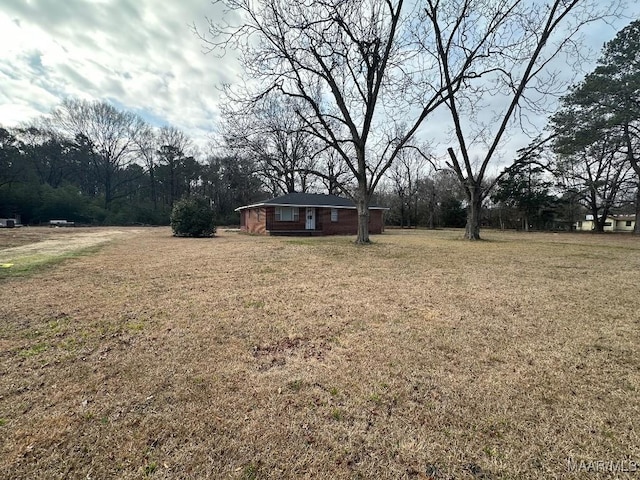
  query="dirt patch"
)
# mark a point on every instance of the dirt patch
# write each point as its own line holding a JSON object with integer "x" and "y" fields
{"x": 276, "y": 354}
{"x": 43, "y": 243}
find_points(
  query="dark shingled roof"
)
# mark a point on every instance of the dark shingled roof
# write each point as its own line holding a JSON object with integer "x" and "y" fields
{"x": 307, "y": 200}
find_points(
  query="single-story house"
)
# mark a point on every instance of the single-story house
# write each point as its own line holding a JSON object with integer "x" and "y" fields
{"x": 307, "y": 214}
{"x": 613, "y": 223}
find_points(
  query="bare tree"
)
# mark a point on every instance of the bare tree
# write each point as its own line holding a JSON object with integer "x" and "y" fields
{"x": 175, "y": 164}
{"x": 229, "y": 181}
{"x": 598, "y": 174}
{"x": 439, "y": 195}
{"x": 10, "y": 152}
{"x": 270, "y": 131}
{"x": 605, "y": 104}
{"x": 336, "y": 176}
{"x": 353, "y": 63}
{"x": 371, "y": 71}
{"x": 108, "y": 131}
{"x": 146, "y": 147}
{"x": 48, "y": 153}
{"x": 511, "y": 46}
{"x": 406, "y": 175}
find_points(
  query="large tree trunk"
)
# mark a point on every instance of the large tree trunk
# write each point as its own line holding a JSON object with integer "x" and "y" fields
{"x": 598, "y": 221}
{"x": 363, "y": 199}
{"x": 472, "y": 229}
{"x": 362, "y": 206}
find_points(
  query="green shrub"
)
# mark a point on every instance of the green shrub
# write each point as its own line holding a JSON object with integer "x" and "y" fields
{"x": 192, "y": 217}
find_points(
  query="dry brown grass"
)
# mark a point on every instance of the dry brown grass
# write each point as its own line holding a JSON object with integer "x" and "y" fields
{"x": 421, "y": 356}
{"x": 31, "y": 237}
{"x": 22, "y": 251}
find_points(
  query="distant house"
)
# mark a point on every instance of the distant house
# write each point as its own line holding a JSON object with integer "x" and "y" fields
{"x": 7, "y": 222}
{"x": 307, "y": 214}
{"x": 613, "y": 223}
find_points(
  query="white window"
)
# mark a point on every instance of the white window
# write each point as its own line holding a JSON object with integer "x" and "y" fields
{"x": 334, "y": 214}
{"x": 287, "y": 214}
{"x": 628, "y": 224}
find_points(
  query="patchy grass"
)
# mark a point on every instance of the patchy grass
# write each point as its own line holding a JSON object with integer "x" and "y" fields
{"x": 26, "y": 251}
{"x": 29, "y": 264}
{"x": 420, "y": 356}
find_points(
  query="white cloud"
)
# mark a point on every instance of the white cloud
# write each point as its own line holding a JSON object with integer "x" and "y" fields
{"x": 141, "y": 55}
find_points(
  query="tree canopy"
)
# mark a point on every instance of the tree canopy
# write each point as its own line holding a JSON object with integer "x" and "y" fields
{"x": 597, "y": 130}
{"x": 371, "y": 72}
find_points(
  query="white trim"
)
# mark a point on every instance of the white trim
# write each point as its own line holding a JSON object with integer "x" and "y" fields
{"x": 303, "y": 206}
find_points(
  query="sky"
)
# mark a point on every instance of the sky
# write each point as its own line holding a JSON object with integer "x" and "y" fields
{"x": 140, "y": 55}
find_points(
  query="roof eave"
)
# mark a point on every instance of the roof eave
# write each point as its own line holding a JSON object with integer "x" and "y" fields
{"x": 266, "y": 204}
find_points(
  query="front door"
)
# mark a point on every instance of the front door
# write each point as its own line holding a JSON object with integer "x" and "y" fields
{"x": 311, "y": 218}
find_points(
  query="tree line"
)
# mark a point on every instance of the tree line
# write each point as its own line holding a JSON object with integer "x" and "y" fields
{"x": 368, "y": 76}
{"x": 94, "y": 164}
{"x": 338, "y": 112}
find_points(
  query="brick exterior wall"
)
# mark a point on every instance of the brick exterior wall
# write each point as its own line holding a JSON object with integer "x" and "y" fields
{"x": 261, "y": 220}
{"x": 253, "y": 220}
{"x": 347, "y": 223}
{"x": 376, "y": 221}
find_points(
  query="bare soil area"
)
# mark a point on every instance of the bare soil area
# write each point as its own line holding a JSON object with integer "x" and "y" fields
{"x": 245, "y": 357}
{"x": 24, "y": 242}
